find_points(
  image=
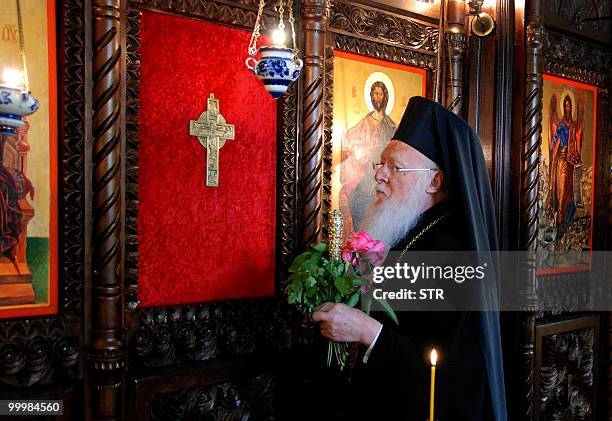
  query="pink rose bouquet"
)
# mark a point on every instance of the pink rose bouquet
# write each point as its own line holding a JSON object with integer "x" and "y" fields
{"x": 316, "y": 277}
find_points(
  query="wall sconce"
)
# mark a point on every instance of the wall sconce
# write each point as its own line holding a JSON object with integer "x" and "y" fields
{"x": 482, "y": 22}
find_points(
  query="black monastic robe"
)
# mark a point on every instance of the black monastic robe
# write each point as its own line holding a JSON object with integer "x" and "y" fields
{"x": 394, "y": 384}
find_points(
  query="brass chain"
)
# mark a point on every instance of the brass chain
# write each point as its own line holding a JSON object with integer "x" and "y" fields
{"x": 292, "y": 21}
{"x": 281, "y": 11}
{"x": 22, "y": 48}
{"x": 255, "y": 34}
{"x": 423, "y": 231}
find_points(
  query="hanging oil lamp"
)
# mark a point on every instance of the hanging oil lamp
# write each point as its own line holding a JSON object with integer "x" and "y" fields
{"x": 16, "y": 100}
{"x": 278, "y": 65}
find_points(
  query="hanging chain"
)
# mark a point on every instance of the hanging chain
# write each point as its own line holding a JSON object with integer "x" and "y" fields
{"x": 255, "y": 34}
{"x": 22, "y": 48}
{"x": 292, "y": 21}
{"x": 281, "y": 11}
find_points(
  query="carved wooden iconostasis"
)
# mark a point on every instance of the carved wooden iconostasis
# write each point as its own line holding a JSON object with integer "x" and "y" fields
{"x": 563, "y": 354}
{"x": 148, "y": 327}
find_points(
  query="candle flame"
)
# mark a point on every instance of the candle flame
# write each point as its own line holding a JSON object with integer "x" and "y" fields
{"x": 434, "y": 357}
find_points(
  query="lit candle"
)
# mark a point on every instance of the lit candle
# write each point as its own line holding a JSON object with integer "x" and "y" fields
{"x": 434, "y": 358}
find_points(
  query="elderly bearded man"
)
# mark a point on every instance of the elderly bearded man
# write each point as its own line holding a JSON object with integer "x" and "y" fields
{"x": 446, "y": 205}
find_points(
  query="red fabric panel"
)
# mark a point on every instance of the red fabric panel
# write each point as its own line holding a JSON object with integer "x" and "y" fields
{"x": 198, "y": 243}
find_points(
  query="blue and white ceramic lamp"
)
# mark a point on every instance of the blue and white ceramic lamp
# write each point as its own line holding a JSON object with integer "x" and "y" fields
{"x": 278, "y": 66}
{"x": 15, "y": 103}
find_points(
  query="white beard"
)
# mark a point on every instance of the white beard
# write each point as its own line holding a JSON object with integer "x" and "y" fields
{"x": 391, "y": 220}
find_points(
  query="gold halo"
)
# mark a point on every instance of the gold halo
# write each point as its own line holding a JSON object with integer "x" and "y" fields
{"x": 379, "y": 77}
{"x": 570, "y": 93}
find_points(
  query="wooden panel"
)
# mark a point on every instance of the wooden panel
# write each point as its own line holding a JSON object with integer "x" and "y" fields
{"x": 578, "y": 17}
{"x": 178, "y": 352}
{"x": 566, "y": 369}
{"x": 49, "y": 350}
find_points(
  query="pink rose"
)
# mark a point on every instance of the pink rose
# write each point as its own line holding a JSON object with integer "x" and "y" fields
{"x": 375, "y": 258}
{"x": 362, "y": 244}
{"x": 361, "y": 241}
{"x": 349, "y": 256}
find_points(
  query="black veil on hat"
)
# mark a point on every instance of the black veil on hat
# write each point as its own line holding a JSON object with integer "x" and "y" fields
{"x": 455, "y": 147}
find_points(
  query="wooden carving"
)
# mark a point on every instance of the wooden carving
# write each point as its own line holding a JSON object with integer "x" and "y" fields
{"x": 455, "y": 38}
{"x": 455, "y": 45}
{"x": 132, "y": 73}
{"x": 106, "y": 353}
{"x": 249, "y": 399}
{"x": 241, "y": 14}
{"x": 530, "y": 158}
{"x": 289, "y": 168}
{"x": 314, "y": 17}
{"x": 526, "y": 366}
{"x": 585, "y": 18}
{"x": 327, "y": 133}
{"x": 566, "y": 376}
{"x": 505, "y": 35}
{"x": 567, "y": 369}
{"x": 382, "y": 27}
{"x": 577, "y": 60}
{"x": 385, "y": 52}
{"x": 73, "y": 166}
{"x": 172, "y": 335}
{"x": 37, "y": 352}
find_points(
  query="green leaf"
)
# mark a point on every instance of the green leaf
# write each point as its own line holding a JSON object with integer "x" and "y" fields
{"x": 310, "y": 282}
{"x": 358, "y": 282}
{"x": 366, "y": 303}
{"x": 354, "y": 299}
{"x": 344, "y": 285}
{"x": 389, "y": 311}
{"x": 320, "y": 247}
{"x": 299, "y": 261}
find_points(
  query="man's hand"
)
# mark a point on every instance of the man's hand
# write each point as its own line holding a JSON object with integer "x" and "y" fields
{"x": 342, "y": 323}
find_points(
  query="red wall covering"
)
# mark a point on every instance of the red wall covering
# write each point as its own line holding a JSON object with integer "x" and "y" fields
{"x": 198, "y": 243}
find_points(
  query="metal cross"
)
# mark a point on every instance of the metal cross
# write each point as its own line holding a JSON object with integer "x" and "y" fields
{"x": 212, "y": 132}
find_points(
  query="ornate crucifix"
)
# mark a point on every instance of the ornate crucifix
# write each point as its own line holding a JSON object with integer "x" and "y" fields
{"x": 212, "y": 132}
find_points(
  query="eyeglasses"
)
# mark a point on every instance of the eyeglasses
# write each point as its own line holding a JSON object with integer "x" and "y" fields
{"x": 377, "y": 166}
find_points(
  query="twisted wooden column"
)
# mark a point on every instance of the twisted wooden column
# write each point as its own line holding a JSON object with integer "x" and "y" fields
{"x": 106, "y": 350}
{"x": 530, "y": 161}
{"x": 455, "y": 38}
{"x": 314, "y": 19}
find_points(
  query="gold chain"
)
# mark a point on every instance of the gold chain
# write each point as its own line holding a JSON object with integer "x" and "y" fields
{"x": 255, "y": 34}
{"x": 22, "y": 48}
{"x": 292, "y": 22}
{"x": 423, "y": 231}
{"x": 281, "y": 10}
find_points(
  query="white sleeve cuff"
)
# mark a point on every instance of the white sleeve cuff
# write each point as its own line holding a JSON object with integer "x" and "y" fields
{"x": 371, "y": 347}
